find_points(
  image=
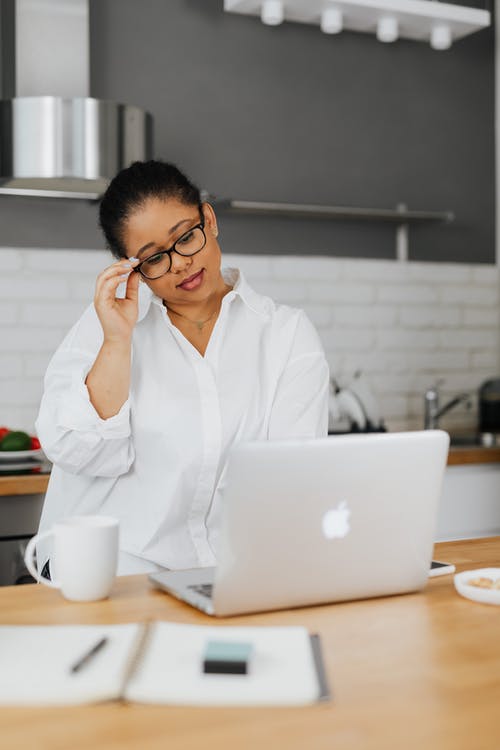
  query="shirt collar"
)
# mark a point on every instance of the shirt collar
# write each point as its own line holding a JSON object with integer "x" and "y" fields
{"x": 231, "y": 276}
{"x": 242, "y": 289}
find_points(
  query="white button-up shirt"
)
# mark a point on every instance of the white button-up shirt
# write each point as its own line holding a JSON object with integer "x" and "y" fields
{"x": 159, "y": 464}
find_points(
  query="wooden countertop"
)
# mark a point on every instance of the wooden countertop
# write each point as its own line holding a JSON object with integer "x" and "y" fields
{"x": 473, "y": 455}
{"x": 37, "y": 484}
{"x": 27, "y": 484}
{"x": 413, "y": 671}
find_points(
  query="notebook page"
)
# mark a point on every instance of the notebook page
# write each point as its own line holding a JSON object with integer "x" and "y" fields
{"x": 35, "y": 663}
{"x": 282, "y": 670}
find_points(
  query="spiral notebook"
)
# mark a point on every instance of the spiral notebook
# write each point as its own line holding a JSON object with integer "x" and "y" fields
{"x": 157, "y": 662}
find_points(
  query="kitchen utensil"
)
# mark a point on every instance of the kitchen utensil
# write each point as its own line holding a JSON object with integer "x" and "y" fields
{"x": 360, "y": 387}
{"x": 346, "y": 413}
{"x": 350, "y": 405}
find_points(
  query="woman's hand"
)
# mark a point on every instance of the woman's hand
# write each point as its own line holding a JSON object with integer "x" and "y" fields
{"x": 117, "y": 316}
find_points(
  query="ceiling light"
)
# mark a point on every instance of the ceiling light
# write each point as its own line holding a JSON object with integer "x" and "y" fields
{"x": 331, "y": 21}
{"x": 387, "y": 29}
{"x": 272, "y": 12}
{"x": 441, "y": 36}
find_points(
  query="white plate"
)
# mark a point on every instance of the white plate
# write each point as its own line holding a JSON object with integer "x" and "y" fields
{"x": 22, "y": 467}
{"x": 10, "y": 456}
{"x": 485, "y": 596}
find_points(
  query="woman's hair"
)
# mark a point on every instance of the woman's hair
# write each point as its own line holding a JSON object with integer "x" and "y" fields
{"x": 132, "y": 187}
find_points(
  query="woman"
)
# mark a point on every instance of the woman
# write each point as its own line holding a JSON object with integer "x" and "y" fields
{"x": 151, "y": 387}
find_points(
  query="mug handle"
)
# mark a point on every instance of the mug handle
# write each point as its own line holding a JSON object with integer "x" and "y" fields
{"x": 28, "y": 559}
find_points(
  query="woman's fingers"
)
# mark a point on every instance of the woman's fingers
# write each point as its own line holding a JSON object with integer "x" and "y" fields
{"x": 120, "y": 267}
{"x": 132, "y": 289}
{"x": 117, "y": 315}
{"x": 106, "y": 289}
{"x": 112, "y": 276}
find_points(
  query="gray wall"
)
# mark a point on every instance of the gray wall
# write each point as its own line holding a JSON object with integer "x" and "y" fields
{"x": 291, "y": 114}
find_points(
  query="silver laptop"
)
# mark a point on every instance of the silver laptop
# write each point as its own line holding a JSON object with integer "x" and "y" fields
{"x": 326, "y": 520}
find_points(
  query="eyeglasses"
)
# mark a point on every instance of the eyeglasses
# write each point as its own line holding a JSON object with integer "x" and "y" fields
{"x": 190, "y": 243}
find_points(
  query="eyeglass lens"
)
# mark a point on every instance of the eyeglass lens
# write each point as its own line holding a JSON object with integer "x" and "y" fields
{"x": 189, "y": 244}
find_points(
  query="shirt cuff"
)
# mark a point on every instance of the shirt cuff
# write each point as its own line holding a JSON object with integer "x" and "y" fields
{"x": 79, "y": 414}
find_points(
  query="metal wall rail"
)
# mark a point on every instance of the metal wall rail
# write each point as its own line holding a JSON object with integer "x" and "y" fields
{"x": 401, "y": 215}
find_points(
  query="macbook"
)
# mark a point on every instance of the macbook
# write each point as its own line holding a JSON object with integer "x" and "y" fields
{"x": 321, "y": 520}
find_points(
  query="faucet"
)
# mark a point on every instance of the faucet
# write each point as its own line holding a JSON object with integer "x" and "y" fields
{"x": 433, "y": 412}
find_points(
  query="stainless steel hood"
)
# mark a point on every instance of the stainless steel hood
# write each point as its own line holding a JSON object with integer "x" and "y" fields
{"x": 56, "y": 141}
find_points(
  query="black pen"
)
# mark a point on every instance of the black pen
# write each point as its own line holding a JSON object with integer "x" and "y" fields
{"x": 88, "y": 655}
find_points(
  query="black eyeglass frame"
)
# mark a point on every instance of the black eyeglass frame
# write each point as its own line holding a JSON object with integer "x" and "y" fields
{"x": 173, "y": 249}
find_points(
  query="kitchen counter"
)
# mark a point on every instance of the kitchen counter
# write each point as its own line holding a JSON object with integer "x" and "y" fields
{"x": 23, "y": 484}
{"x": 26, "y": 484}
{"x": 477, "y": 454}
{"x": 22, "y": 495}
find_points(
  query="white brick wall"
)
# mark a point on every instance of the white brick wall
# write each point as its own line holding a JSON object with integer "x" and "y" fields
{"x": 403, "y": 324}
{"x": 42, "y": 293}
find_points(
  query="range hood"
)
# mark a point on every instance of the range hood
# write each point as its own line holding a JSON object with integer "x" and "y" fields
{"x": 55, "y": 140}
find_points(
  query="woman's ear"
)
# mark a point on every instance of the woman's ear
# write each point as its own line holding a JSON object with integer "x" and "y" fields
{"x": 210, "y": 219}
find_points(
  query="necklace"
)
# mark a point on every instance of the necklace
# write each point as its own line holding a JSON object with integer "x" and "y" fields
{"x": 198, "y": 323}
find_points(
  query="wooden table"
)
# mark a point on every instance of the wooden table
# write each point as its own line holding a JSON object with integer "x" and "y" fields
{"x": 415, "y": 671}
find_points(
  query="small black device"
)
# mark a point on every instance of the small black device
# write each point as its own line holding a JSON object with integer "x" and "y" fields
{"x": 440, "y": 568}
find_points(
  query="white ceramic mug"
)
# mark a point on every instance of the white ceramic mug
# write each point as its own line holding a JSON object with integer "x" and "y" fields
{"x": 84, "y": 559}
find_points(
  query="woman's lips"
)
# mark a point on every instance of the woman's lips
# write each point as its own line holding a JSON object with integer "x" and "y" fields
{"x": 192, "y": 282}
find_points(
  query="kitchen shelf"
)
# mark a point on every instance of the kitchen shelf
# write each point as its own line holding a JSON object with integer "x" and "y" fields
{"x": 401, "y": 215}
{"x": 415, "y": 18}
{"x": 330, "y": 212}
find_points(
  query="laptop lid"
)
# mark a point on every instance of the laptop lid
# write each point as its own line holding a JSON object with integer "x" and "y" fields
{"x": 331, "y": 519}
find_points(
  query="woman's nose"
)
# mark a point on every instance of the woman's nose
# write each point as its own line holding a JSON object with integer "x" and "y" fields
{"x": 179, "y": 263}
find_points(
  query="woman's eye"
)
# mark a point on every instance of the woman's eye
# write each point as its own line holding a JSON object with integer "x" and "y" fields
{"x": 185, "y": 238}
{"x": 155, "y": 259}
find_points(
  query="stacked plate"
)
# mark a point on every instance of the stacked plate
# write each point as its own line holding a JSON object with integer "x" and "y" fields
{"x": 17, "y": 461}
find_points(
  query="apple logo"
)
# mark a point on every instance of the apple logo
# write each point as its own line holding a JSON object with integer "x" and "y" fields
{"x": 336, "y": 521}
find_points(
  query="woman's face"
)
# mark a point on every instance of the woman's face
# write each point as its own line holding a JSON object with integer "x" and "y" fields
{"x": 155, "y": 227}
